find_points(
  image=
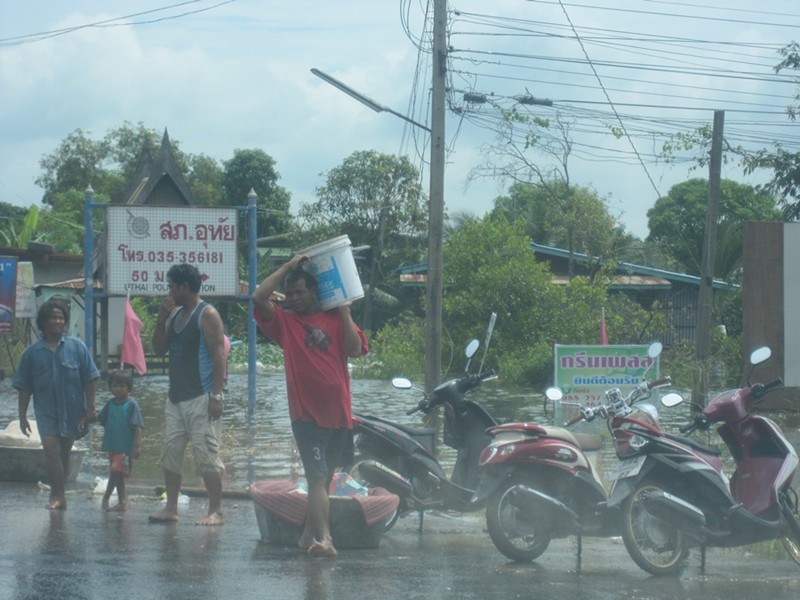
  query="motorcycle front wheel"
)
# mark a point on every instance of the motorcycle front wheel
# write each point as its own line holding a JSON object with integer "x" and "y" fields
{"x": 516, "y": 533}
{"x": 790, "y": 535}
{"x": 654, "y": 544}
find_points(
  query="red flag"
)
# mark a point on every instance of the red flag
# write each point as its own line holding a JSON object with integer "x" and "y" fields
{"x": 603, "y": 333}
{"x": 132, "y": 352}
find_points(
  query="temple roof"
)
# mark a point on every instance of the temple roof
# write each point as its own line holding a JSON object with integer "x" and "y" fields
{"x": 160, "y": 181}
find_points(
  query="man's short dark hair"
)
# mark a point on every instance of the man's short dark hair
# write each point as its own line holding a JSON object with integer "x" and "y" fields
{"x": 187, "y": 274}
{"x": 299, "y": 273}
{"x": 46, "y": 309}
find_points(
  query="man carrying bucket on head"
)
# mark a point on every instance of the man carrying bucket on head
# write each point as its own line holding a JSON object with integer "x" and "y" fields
{"x": 316, "y": 345}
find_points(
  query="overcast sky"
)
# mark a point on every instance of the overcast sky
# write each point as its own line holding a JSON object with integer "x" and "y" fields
{"x": 222, "y": 75}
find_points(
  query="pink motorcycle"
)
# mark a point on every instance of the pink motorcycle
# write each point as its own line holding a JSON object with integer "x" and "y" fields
{"x": 674, "y": 495}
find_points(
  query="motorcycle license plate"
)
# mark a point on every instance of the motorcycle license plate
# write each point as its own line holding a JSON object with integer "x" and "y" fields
{"x": 627, "y": 467}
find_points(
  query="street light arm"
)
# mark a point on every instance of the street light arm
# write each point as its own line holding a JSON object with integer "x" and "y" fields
{"x": 368, "y": 102}
{"x": 348, "y": 90}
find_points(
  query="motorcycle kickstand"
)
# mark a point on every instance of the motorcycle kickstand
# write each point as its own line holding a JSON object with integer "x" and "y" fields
{"x": 703, "y": 559}
{"x": 580, "y": 551}
{"x": 421, "y": 516}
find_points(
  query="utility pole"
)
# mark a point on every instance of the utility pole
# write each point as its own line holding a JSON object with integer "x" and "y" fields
{"x": 703, "y": 332}
{"x": 433, "y": 305}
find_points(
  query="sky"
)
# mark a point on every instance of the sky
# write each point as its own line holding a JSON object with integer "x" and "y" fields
{"x": 624, "y": 77}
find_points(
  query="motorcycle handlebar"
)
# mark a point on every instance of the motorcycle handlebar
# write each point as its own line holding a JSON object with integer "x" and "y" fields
{"x": 463, "y": 385}
{"x": 659, "y": 383}
{"x": 700, "y": 421}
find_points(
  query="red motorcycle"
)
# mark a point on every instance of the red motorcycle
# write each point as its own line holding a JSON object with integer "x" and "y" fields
{"x": 674, "y": 495}
{"x": 541, "y": 482}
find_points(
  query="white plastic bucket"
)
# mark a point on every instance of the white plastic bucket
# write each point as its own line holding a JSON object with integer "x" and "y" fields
{"x": 332, "y": 264}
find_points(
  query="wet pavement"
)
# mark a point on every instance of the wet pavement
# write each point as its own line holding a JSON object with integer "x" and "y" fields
{"x": 84, "y": 552}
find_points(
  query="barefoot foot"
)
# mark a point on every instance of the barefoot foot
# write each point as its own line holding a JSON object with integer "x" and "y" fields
{"x": 322, "y": 549}
{"x": 121, "y": 507}
{"x": 212, "y": 519}
{"x": 165, "y": 516}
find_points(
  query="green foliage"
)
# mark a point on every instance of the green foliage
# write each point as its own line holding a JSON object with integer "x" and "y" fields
{"x": 563, "y": 216}
{"x": 255, "y": 170}
{"x": 398, "y": 348}
{"x": 677, "y": 223}
{"x": 18, "y": 236}
{"x": 724, "y": 365}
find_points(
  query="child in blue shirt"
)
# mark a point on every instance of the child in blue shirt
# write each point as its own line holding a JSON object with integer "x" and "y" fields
{"x": 122, "y": 436}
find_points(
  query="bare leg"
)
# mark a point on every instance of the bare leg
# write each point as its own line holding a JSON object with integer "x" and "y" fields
{"x": 56, "y": 453}
{"x": 119, "y": 483}
{"x": 170, "y": 513}
{"x": 109, "y": 490}
{"x": 213, "y": 482}
{"x": 317, "y": 519}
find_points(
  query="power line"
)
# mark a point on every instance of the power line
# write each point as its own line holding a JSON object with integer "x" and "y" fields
{"x": 30, "y": 38}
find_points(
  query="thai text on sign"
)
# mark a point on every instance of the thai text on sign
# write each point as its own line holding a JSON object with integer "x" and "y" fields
{"x": 143, "y": 242}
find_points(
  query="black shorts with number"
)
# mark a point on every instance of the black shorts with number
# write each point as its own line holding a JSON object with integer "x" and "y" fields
{"x": 322, "y": 450}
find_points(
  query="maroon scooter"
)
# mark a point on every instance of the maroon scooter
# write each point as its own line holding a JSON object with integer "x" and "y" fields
{"x": 674, "y": 495}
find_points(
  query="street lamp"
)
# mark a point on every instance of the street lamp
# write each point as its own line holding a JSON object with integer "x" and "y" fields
{"x": 363, "y": 99}
{"x": 433, "y": 306}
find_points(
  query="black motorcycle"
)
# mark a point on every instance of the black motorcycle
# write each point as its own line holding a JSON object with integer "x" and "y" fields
{"x": 402, "y": 459}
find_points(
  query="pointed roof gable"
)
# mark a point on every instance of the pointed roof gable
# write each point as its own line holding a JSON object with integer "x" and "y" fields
{"x": 159, "y": 182}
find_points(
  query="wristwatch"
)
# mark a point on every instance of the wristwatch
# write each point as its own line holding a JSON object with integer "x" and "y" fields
{"x": 219, "y": 397}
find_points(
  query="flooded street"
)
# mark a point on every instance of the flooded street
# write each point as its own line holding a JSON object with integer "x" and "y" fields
{"x": 86, "y": 553}
{"x": 264, "y": 448}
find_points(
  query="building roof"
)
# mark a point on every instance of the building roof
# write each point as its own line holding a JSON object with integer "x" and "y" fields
{"x": 159, "y": 181}
{"x": 629, "y": 275}
{"x": 633, "y": 270}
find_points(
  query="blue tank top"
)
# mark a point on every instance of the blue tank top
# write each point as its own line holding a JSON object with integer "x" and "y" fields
{"x": 189, "y": 359}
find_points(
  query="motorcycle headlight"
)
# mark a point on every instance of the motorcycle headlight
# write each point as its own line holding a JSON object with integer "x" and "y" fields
{"x": 627, "y": 443}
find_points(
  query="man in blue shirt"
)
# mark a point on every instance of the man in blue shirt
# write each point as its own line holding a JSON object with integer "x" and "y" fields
{"x": 59, "y": 373}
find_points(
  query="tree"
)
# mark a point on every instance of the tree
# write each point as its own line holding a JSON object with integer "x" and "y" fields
{"x": 581, "y": 220}
{"x": 784, "y": 163}
{"x": 677, "y": 222}
{"x": 490, "y": 267}
{"x": 11, "y": 232}
{"x": 533, "y": 150}
{"x": 255, "y": 170}
{"x": 371, "y": 197}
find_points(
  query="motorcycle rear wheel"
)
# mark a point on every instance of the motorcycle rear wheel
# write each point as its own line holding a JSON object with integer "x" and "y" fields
{"x": 513, "y": 532}
{"x": 655, "y": 545}
{"x": 790, "y": 536}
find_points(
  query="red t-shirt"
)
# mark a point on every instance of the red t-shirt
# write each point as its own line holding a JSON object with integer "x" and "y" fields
{"x": 315, "y": 359}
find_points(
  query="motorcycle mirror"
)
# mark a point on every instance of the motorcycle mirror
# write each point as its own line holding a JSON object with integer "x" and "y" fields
{"x": 655, "y": 349}
{"x": 553, "y": 393}
{"x": 401, "y": 383}
{"x": 759, "y": 355}
{"x": 472, "y": 348}
{"x": 671, "y": 399}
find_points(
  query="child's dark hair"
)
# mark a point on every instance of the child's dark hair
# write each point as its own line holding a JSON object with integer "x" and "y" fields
{"x": 122, "y": 376}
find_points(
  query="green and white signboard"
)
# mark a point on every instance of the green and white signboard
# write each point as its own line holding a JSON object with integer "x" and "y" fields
{"x": 584, "y": 373}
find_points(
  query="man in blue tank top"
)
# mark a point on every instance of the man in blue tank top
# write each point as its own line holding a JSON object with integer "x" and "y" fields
{"x": 191, "y": 331}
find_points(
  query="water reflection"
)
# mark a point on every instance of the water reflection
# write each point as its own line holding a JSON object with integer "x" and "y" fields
{"x": 264, "y": 448}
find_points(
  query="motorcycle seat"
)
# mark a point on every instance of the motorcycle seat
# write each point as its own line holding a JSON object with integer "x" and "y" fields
{"x": 412, "y": 431}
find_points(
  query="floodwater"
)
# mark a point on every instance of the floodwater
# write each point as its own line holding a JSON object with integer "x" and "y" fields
{"x": 263, "y": 448}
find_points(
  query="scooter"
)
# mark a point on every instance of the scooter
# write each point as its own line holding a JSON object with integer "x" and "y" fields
{"x": 541, "y": 482}
{"x": 402, "y": 459}
{"x": 674, "y": 494}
